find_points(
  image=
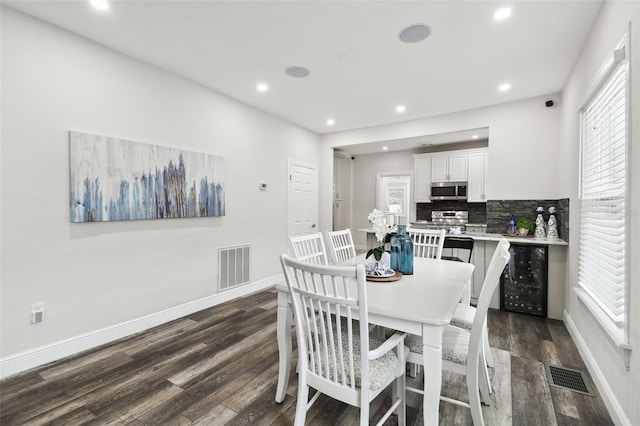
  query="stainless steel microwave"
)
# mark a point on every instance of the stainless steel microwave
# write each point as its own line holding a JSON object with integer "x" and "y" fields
{"x": 448, "y": 191}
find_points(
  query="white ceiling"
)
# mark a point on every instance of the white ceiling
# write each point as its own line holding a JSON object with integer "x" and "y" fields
{"x": 419, "y": 143}
{"x": 359, "y": 69}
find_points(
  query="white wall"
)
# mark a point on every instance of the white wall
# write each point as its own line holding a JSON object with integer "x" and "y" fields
{"x": 523, "y": 141}
{"x": 92, "y": 276}
{"x": 621, "y": 388}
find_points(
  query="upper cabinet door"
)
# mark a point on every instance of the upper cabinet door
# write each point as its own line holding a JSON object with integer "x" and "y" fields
{"x": 458, "y": 167}
{"x": 449, "y": 168}
{"x": 440, "y": 168}
{"x": 422, "y": 179}
{"x": 476, "y": 187}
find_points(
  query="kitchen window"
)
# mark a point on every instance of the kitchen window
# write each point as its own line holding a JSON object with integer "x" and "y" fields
{"x": 394, "y": 194}
{"x": 603, "y": 276}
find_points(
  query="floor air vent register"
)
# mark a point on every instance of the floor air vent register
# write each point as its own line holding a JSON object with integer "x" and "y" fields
{"x": 568, "y": 378}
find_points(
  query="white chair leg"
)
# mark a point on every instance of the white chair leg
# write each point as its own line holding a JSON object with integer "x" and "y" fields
{"x": 364, "y": 414}
{"x": 402, "y": 395}
{"x": 488, "y": 356}
{"x": 485, "y": 372}
{"x": 485, "y": 385}
{"x": 301, "y": 404}
{"x": 474, "y": 395}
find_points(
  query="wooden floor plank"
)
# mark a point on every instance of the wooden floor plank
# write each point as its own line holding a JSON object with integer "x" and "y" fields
{"x": 527, "y": 379}
{"x": 218, "y": 415}
{"x": 498, "y": 324}
{"x": 219, "y": 367}
{"x": 500, "y": 411}
{"x": 527, "y": 332}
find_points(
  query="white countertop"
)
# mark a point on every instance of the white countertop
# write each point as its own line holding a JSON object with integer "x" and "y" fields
{"x": 483, "y": 236}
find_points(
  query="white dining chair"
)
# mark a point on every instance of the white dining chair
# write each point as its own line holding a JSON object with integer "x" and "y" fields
{"x": 464, "y": 315}
{"x": 341, "y": 246}
{"x": 309, "y": 248}
{"x": 336, "y": 356}
{"x": 427, "y": 242}
{"x": 462, "y": 349}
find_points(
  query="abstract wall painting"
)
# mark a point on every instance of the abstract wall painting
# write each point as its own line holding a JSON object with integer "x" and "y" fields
{"x": 114, "y": 179}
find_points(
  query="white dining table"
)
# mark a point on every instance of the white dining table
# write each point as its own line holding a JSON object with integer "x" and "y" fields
{"x": 420, "y": 304}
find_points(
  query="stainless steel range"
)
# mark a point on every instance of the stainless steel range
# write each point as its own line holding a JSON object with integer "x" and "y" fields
{"x": 448, "y": 219}
{"x": 453, "y": 221}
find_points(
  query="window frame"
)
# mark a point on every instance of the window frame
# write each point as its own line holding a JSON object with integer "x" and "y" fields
{"x": 618, "y": 333}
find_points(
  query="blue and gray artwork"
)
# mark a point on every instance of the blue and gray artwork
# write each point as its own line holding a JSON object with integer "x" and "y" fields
{"x": 116, "y": 179}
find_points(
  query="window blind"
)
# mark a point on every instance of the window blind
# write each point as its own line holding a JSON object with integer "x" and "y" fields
{"x": 603, "y": 165}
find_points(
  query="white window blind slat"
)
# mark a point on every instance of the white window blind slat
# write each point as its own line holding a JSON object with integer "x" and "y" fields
{"x": 603, "y": 165}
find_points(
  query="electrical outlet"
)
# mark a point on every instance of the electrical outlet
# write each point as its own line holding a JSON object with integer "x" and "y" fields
{"x": 37, "y": 313}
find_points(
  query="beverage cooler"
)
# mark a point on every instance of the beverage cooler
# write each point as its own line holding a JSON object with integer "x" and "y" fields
{"x": 523, "y": 284}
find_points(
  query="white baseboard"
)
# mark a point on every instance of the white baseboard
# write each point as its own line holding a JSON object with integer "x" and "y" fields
{"x": 613, "y": 405}
{"x": 33, "y": 358}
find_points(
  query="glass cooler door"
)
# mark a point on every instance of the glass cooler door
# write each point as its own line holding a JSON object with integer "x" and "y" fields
{"x": 523, "y": 284}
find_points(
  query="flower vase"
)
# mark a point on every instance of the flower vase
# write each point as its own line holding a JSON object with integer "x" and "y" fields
{"x": 385, "y": 259}
{"x": 402, "y": 252}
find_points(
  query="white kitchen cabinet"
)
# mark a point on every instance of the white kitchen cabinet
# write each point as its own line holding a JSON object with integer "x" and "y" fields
{"x": 468, "y": 165}
{"x": 440, "y": 168}
{"x": 449, "y": 167}
{"x": 422, "y": 179}
{"x": 476, "y": 188}
{"x": 481, "y": 257}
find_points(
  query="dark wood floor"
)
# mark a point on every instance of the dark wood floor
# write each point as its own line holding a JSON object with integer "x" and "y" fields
{"x": 219, "y": 367}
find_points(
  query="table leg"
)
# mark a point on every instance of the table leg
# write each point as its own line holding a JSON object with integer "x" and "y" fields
{"x": 432, "y": 362}
{"x": 283, "y": 330}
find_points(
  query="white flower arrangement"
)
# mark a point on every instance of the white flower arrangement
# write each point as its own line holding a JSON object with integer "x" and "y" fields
{"x": 381, "y": 228}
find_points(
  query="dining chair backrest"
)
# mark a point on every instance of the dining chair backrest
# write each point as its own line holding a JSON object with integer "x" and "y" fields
{"x": 458, "y": 243}
{"x": 325, "y": 304}
{"x": 427, "y": 242}
{"x": 332, "y": 331}
{"x": 309, "y": 248}
{"x": 341, "y": 246}
{"x": 491, "y": 279}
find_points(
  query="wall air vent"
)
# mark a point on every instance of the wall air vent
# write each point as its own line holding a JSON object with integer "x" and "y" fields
{"x": 234, "y": 266}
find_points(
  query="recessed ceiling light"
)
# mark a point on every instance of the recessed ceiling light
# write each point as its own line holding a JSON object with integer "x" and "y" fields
{"x": 502, "y": 13}
{"x": 474, "y": 137}
{"x": 504, "y": 87}
{"x": 400, "y": 109}
{"x": 100, "y": 4}
{"x": 262, "y": 87}
{"x": 414, "y": 33}
{"x": 331, "y": 122}
{"x": 297, "y": 72}
{"x": 384, "y": 148}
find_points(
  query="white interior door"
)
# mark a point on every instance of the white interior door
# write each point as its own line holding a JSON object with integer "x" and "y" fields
{"x": 303, "y": 198}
